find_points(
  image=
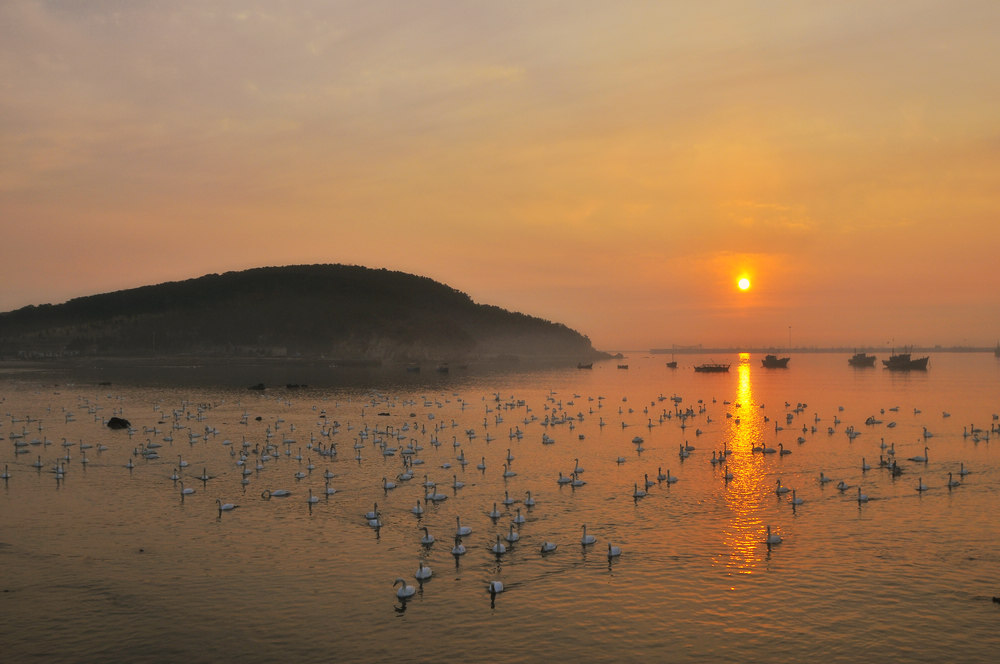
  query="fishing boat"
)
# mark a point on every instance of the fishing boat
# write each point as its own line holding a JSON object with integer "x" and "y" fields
{"x": 903, "y": 362}
{"x": 587, "y": 365}
{"x": 861, "y": 360}
{"x": 672, "y": 364}
{"x": 711, "y": 367}
{"x": 774, "y": 362}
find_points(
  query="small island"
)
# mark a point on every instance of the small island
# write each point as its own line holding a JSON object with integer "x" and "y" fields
{"x": 340, "y": 313}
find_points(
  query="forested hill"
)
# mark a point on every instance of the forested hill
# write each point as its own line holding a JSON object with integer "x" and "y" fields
{"x": 331, "y": 311}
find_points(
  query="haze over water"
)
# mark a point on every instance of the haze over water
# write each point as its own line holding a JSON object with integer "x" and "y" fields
{"x": 110, "y": 563}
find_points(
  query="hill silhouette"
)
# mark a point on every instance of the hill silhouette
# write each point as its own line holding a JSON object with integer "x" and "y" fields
{"x": 332, "y": 311}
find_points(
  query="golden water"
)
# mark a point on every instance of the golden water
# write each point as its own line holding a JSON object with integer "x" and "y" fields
{"x": 111, "y": 564}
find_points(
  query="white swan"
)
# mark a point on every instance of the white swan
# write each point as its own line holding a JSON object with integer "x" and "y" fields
{"x": 529, "y": 501}
{"x": 781, "y": 489}
{"x": 185, "y": 492}
{"x": 512, "y": 536}
{"x": 920, "y": 459}
{"x": 498, "y": 548}
{"x": 563, "y": 479}
{"x": 548, "y": 547}
{"x": 404, "y": 590}
{"x": 796, "y": 501}
{"x": 862, "y": 497}
{"x": 952, "y": 482}
{"x": 507, "y": 472}
{"x": 458, "y": 549}
{"x": 373, "y": 513}
{"x": 225, "y": 507}
{"x": 494, "y": 513}
{"x": 387, "y": 485}
{"x": 518, "y": 518}
{"x": 312, "y": 499}
{"x": 507, "y": 500}
{"x": 418, "y": 508}
{"x": 637, "y": 492}
{"x": 495, "y": 587}
{"x": 423, "y": 572}
{"x": 772, "y": 539}
{"x": 427, "y": 539}
{"x": 460, "y": 530}
{"x": 920, "y": 485}
{"x": 275, "y": 493}
{"x": 587, "y": 539}
{"x": 614, "y": 551}
{"x": 5, "y": 475}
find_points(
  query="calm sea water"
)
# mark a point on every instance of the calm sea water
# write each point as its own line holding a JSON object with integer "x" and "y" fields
{"x": 111, "y": 563}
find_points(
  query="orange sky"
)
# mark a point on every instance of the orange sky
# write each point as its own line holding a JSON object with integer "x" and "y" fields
{"x": 611, "y": 166}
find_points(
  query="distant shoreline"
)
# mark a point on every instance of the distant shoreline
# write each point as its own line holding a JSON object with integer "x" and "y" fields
{"x": 687, "y": 350}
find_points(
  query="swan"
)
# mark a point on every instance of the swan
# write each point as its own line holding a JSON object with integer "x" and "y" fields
{"x": 563, "y": 479}
{"x": 614, "y": 551}
{"x": 387, "y": 485}
{"x": 529, "y": 501}
{"x": 185, "y": 492}
{"x": 423, "y": 572}
{"x": 843, "y": 486}
{"x": 404, "y": 590}
{"x": 181, "y": 463}
{"x": 418, "y": 508}
{"x": 495, "y": 587}
{"x": 494, "y": 513}
{"x": 864, "y": 465}
{"x": 225, "y": 507}
{"x": 498, "y": 548}
{"x": 727, "y": 474}
{"x": 961, "y": 471}
{"x": 548, "y": 547}
{"x": 5, "y": 475}
{"x": 670, "y": 479}
{"x": 576, "y": 466}
{"x": 329, "y": 490}
{"x": 796, "y": 501}
{"x": 862, "y": 497}
{"x": 512, "y": 536}
{"x": 920, "y": 459}
{"x": 772, "y": 539}
{"x": 637, "y": 492}
{"x": 507, "y": 472}
{"x": 952, "y": 482}
{"x": 518, "y": 518}
{"x": 459, "y": 548}
{"x": 460, "y": 530}
{"x": 920, "y": 485}
{"x": 312, "y": 499}
{"x": 507, "y": 500}
{"x": 587, "y": 539}
{"x": 376, "y": 523}
{"x": 781, "y": 489}
{"x": 373, "y": 513}
{"x": 457, "y": 484}
{"x": 275, "y": 493}
{"x": 649, "y": 482}
{"x": 782, "y": 450}
{"x": 482, "y": 464}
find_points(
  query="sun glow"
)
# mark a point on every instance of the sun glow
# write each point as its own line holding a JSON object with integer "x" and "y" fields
{"x": 743, "y": 283}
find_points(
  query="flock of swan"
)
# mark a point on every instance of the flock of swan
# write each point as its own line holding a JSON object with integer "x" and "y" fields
{"x": 405, "y": 451}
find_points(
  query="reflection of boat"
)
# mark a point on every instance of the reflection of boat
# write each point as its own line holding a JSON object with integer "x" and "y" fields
{"x": 903, "y": 362}
{"x": 581, "y": 365}
{"x": 711, "y": 367}
{"x": 775, "y": 362}
{"x": 861, "y": 360}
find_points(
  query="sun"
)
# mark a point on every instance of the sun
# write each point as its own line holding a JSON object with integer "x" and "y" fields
{"x": 743, "y": 283}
